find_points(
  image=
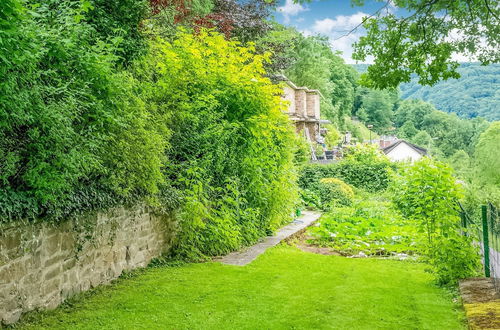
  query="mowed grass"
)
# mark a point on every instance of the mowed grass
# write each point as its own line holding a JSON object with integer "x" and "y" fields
{"x": 283, "y": 289}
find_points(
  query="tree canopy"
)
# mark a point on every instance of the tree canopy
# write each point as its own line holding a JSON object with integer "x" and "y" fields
{"x": 423, "y": 40}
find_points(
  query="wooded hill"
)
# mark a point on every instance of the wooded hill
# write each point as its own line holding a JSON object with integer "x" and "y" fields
{"x": 475, "y": 94}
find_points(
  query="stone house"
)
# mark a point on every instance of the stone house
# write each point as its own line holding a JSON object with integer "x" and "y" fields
{"x": 304, "y": 110}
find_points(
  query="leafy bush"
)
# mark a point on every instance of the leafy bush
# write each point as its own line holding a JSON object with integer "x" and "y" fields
{"x": 120, "y": 19}
{"x": 334, "y": 191}
{"x": 73, "y": 136}
{"x": 310, "y": 198}
{"x": 193, "y": 124}
{"x": 234, "y": 148}
{"x": 427, "y": 193}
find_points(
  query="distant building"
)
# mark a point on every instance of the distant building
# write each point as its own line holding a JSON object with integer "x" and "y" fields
{"x": 385, "y": 140}
{"x": 404, "y": 151}
{"x": 304, "y": 110}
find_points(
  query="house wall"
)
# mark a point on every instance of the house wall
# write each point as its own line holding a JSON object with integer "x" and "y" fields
{"x": 403, "y": 152}
{"x": 300, "y": 102}
{"x": 313, "y": 129}
{"x": 289, "y": 96}
{"x": 313, "y": 105}
{"x": 43, "y": 264}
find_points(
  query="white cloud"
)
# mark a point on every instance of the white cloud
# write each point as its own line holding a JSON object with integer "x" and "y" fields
{"x": 340, "y": 24}
{"x": 290, "y": 9}
{"x": 342, "y": 30}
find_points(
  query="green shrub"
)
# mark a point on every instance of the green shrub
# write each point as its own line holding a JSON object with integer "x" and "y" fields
{"x": 234, "y": 148}
{"x": 334, "y": 191}
{"x": 427, "y": 193}
{"x": 73, "y": 135}
{"x": 364, "y": 167}
{"x": 310, "y": 198}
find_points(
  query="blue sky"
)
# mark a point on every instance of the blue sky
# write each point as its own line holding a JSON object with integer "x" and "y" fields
{"x": 334, "y": 18}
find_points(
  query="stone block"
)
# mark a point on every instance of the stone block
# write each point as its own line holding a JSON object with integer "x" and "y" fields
{"x": 51, "y": 245}
{"x": 52, "y": 272}
{"x": 54, "y": 259}
{"x": 11, "y": 316}
{"x": 68, "y": 264}
{"x": 51, "y": 286}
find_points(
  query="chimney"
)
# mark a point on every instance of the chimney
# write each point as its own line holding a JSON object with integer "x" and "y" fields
{"x": 300, "y": 102}
{"x": 313, "y": 104}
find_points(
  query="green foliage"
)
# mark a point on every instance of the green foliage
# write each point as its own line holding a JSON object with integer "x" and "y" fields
{"x": 427, "y": 193}
{"x": 424, "y": 38}
{"x": 310, "y": 199}
{"x": 422, "y": 139}
{"x": 371, "y": 226}
{"x": 364, "y": 167}
{"x": 452, "y": 258}
{"x": 191, "y": 125}
{"x": 407, "y": 131}
{"x": 378, "y": 106}
{"x": 120, "y": 19}
{"x": 333, "y": 192}
{"x": 71, "y": 129}
{"x": 474, "y": 94}
{"x": 443, "y": 133}
{"x": 333, "y": 137}
{"x": 461, "y": 163}
{"x": 358, "y": 130}
{"x": 414, "y": 112}
{"x": 234, "y": 148}
{"x": 487, "y": 155}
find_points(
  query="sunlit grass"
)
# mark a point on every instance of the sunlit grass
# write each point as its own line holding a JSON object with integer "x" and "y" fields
{"x": 283, "y": 289}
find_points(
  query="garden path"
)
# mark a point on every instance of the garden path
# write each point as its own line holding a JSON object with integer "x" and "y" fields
{"x": 247, "y": 255}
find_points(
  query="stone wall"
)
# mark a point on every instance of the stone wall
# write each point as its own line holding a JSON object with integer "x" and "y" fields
{"x": 43, "y": 264}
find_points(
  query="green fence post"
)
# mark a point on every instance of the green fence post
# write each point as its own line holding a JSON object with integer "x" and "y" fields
{"x": 486, "y": 241}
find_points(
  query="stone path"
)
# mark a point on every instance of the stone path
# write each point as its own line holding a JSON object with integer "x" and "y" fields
{"x": 243, "y": 257}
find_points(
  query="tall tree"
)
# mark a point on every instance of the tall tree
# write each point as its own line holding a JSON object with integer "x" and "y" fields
{"x": 487, "y": 155}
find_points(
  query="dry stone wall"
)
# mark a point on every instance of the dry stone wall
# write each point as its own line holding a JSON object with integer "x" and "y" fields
{"x": 43, "y": 264}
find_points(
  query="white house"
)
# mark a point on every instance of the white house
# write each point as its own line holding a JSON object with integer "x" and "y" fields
{"x": 404, "y": 151}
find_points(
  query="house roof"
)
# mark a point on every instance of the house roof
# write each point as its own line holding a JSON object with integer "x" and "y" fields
{"x": 391, "y": 147}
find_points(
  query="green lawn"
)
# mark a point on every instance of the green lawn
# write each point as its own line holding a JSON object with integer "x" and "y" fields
{"x": 283, "y": 289}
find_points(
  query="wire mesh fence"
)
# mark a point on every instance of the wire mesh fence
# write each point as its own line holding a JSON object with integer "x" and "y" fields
{"x": 484, "y": 227}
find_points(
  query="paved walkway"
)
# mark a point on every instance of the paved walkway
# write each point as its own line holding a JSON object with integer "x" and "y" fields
{"x": 241, "y": 258}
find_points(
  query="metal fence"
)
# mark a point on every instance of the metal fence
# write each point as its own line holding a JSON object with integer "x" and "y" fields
{"x": 485, "y": 228}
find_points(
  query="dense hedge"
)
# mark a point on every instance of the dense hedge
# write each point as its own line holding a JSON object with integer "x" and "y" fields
{"x": 370, "y": 177}
{"x": 364, "y": 168}
{"x": 92, "y": 116}
{"x": 71, "y": 129}
{"x": 232, "y": 154}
